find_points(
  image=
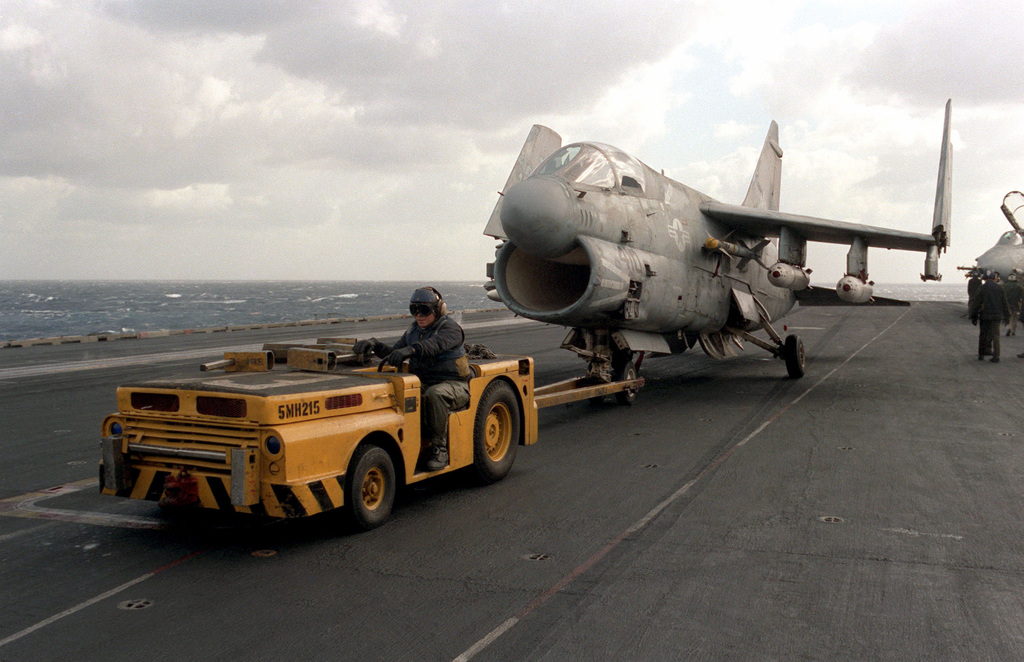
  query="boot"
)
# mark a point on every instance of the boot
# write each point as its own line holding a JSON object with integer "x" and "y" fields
{"x": 439, "y": 456}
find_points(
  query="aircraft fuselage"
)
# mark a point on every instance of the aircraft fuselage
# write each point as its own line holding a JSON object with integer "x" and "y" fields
{"x": 1005, "y": 257}
{"x": 596, "y": 239}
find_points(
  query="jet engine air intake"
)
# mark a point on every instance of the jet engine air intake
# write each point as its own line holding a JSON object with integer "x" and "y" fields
{"x": 590, "y": 286}
{"x": 536, "y": 284}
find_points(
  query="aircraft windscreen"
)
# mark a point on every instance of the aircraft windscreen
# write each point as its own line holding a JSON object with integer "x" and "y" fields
{"x": 629, "y": 169}
{"x": 558, "y": 160}
{"x": 1010, "y": 238}
{"x": 580, "y": 164}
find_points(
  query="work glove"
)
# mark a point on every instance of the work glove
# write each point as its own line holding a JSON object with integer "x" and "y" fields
{"x": 397, "y": 357}
{"x": 364, "y": 347}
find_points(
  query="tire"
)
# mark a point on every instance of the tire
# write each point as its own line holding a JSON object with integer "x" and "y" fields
{"x": 627, "y": 397}
{"x": 370, "y": 487}
{"x": 793, "y": 353}
{"x": 496, "y": 432}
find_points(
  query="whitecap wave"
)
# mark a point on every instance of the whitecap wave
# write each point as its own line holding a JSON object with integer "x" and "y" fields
{"x": 334, "y": 296}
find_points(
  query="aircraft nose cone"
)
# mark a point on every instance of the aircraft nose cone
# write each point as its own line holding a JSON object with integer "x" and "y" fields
{"x": 537, "y": 215}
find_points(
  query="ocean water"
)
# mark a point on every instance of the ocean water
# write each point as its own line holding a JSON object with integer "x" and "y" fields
{"x": 43, "y": 309}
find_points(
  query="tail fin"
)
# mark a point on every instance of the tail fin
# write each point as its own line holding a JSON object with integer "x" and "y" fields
{"x": 767, "y": 180}
{"x": 540, "y": 144}
{"x": 943, "y": 202}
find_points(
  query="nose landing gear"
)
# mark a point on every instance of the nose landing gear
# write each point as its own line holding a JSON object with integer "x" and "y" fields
{"x": 606, "y": 361}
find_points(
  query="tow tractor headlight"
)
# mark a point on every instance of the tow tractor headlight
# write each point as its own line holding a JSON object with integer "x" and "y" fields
{"x": 115, "y": 428}
{"x": 272, "y": 444}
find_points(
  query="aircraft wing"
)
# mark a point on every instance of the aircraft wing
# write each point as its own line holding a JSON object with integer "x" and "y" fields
{"x": 826, "y": 296}
{"x": 766, "y": 223}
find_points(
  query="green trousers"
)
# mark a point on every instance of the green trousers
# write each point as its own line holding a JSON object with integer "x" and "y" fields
{"x": 440, "y": 400}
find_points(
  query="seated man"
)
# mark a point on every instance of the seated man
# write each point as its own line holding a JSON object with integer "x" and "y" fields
{"x": 434, "y": 347}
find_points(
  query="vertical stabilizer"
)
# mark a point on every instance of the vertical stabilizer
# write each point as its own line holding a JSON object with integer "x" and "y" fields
{"x": 767, "y": 180}
{"x": 944, "y": 188}
{"x": 540, "y": 144}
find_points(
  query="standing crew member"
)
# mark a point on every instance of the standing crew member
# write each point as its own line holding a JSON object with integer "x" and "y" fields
{"x": 1014, "y": 295}
{"x": 988, "y": 304}
{"x": 434, "y": 347}
{"x": 974, "y": 283}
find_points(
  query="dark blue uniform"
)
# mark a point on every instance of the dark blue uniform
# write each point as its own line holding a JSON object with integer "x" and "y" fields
{"x": 440, "y": 351}
{"x": 988, "y": 308}
{"x": 441, "y": 364}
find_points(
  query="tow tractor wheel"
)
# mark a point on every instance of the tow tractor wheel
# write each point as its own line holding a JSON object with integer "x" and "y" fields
{"x": 496, "y": 432}
{"x": 627, "y": 371}
{"x": 370, "y": 487}
{"x": 793, "y": 353}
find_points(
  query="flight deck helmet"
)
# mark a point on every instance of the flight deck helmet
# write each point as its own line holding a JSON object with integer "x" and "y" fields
{"x": 989, "y": 275}
{"x": 429, "y": 297}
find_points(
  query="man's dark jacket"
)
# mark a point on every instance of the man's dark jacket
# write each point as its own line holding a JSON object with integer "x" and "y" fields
{"x": 989, "y": 303}
{"x": 440, "y": 352}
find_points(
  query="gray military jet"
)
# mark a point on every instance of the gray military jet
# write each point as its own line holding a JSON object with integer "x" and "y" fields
{"x": 637, "y": 263}
{"x": 1007, "y": 255}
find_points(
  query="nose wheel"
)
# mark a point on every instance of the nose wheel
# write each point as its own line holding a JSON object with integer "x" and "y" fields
{"x": 624, "y": 372}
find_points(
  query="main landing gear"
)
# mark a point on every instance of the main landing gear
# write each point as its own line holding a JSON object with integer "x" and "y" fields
{"x": 793, "y": 354}
{"x": 790, "y": 350}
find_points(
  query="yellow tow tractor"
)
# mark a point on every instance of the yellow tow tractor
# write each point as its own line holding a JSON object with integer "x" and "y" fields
{"x": 315, "y": 436}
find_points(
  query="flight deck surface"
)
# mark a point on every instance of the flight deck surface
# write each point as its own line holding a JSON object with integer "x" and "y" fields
{"x": 871, "y": 510}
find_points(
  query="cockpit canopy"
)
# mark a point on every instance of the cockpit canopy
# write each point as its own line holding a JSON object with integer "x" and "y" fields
{"x": 1009, "y": 238}
{"x": 594, "y": 164}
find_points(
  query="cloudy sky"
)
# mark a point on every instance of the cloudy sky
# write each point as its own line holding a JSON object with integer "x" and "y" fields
{"x": 366, "y": 139}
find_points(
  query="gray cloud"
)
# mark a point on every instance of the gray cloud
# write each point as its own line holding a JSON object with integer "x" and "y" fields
{"x": 468, "y": 64}
{"x": 969, "y": 50}
{"x": 288, "y": 127}
{"x": 129, "y": 97}
{"x": 186, "y": 17}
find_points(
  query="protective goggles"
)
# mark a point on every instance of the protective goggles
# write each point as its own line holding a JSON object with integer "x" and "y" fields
{"x": 421, "y": 309}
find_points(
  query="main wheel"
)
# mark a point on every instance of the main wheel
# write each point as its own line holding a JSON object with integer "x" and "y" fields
{"x": 370, "y": 487}
{"x": 793, "y": 353}
{"x": 496, "y": 432}
{"x": 627, "y": 371}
